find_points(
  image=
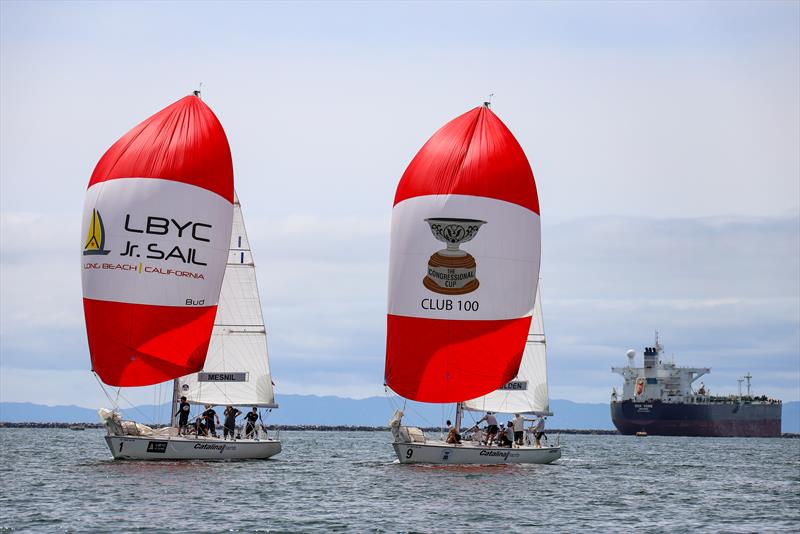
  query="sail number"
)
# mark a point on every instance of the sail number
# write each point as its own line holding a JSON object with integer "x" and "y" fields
{"x": 409, "y": 453}
{"x": 449, "y": 305}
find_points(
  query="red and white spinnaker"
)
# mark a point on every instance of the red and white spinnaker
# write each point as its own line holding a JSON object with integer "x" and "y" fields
{"x": 155, "y": 241}
{"x": 464, "y": 263}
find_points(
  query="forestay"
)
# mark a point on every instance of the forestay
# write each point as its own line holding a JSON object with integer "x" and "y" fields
{"x": 527, "y": 392}
{"x": 237, "y": 366}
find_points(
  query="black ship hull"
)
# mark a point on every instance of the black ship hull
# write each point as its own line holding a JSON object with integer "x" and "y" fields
{"x": 718, "y": 419}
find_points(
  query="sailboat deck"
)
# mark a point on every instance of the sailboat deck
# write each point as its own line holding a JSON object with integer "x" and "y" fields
{"x": 471, "y": 445}
{"x": 440, "y": 452}
{"x": 190, "y": 447}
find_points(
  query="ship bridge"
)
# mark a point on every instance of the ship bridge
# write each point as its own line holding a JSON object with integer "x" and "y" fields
{"x": 657, "y": 380}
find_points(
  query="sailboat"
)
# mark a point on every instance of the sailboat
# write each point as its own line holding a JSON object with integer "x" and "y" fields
{"x": 460, "y": 320}
{"x": 174, "y": 295}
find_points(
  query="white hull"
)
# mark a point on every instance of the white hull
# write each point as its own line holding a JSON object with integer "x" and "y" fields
{"x": 190, "y": 448}
{"x": 439, "y": 452}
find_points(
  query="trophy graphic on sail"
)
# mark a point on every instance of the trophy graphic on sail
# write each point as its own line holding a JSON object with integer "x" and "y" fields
{"x": 462, "y": 333}
{"x": 451, "y": 271}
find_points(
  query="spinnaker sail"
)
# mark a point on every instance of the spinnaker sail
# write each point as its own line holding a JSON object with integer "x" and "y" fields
{"x": 155, "y": 235}
{"x": 458, "y": 316}
{"x": 527, "y": 392}
{"x": 237, "y": 366}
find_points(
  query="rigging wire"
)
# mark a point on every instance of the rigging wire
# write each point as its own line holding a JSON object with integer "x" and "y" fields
{"x": 134, "y": 408}
{"x": 114, "y": 405}
{"x": 389, "y": 399}
{"x": 427, "y": 421}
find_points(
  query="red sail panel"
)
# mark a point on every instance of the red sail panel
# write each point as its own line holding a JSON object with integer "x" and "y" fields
{"x": 462, "y": 359}
{"x": 464, "y": 263}
{"x": 474, "y": 154}
{"x": 128, "y": 342}
{"x": 155, "y": 238}
{"x": 183, "y": 142}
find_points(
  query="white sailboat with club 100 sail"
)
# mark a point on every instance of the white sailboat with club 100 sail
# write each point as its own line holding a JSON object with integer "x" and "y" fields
{"x": 169, "y": 283}
{"x": 464, "y": 326}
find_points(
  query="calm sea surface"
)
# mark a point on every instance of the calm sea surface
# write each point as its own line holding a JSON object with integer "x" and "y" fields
{"x": 62, "y": 480}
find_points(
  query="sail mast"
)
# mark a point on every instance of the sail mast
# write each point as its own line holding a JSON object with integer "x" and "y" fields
{"x": 174, "y": 402}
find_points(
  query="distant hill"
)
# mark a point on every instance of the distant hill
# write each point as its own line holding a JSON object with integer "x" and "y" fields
{"x": 327, "y": 410}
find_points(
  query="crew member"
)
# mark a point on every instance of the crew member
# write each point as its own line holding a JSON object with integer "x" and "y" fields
{"x": 212, "y": 420}
{"x": 452, "y": 434}
{"x": 201, "y": 426}
{"x": 183, "y": 416}
{"x": 519, "y": 428}
{"x": 539, "y": 432}
{"x": 250, "y": 426}
{"x": 229, "y": 427}
{"x": 507, "y": 435}
{"x": 491, "y": 428}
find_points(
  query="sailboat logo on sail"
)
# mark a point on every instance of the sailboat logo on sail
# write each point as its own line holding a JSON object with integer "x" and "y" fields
{"x": 96, "y": 240}
{"x": 451, "y": 271}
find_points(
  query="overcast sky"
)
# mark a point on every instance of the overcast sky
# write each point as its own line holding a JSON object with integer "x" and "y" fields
{"x": 663, "y": 136}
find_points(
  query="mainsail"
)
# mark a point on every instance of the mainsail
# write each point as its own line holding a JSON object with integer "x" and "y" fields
{"x": 527, "y": 392}
{"x": 237, "y": 366}
{"x": 458, "y": 317}
{"x": 155, "y": 233}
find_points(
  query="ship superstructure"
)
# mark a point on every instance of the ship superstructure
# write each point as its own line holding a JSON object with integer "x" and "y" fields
{"x": 660, "y": 398}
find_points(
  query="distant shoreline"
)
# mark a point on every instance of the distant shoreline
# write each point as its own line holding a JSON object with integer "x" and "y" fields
{"x": 331, "y": 428}
{"x": 291, "y": 428}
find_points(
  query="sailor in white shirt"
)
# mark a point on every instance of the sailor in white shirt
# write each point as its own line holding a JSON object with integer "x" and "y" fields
{"x": 491, "y": 428}
{"x": 539, "y": 431}
{"x": 519, "y": 428}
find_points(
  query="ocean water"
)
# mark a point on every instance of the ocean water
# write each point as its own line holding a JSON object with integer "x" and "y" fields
{"x": 58, "y": 480}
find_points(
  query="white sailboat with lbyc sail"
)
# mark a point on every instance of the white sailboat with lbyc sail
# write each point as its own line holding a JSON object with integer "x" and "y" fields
{"x": 464, "y": 325}
{"x": 169, "y": 284}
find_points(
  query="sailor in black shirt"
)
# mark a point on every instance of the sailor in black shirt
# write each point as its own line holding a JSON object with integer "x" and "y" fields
{"x": 211, "y": 416}
{"x": 183, "y": 416}
{"x": 229, "y": 427}
{"x": 250, "y": 426}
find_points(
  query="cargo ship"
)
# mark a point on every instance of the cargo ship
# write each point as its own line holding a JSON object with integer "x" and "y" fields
{"x": 659, "y": 399}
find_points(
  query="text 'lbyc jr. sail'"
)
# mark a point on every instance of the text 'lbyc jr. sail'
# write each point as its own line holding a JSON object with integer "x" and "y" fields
{"x": 155, "y": 239}
{"x": 464, "y": 263}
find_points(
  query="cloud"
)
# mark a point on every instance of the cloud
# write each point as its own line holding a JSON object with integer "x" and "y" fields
{"x": 663, "y": 139}
{"x": 671, "y": 113}
{"x": 723, "y": 292}
{"x": 686, "y": 258}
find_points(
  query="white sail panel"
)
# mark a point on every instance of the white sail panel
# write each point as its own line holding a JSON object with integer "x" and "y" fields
{"x": 237, "y": 365}
{"x": 527, "y": 393}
